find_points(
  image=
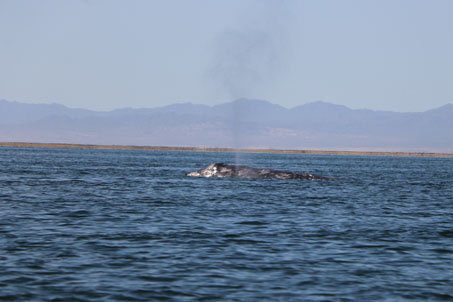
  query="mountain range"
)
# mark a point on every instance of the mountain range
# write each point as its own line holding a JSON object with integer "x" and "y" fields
{"x": 243, "y": 123}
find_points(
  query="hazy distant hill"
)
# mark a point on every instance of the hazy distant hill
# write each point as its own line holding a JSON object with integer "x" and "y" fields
{"x": 242, "y": 123}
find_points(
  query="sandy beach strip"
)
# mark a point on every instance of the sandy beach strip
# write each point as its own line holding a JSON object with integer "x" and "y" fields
{"x": 251, "y": 150}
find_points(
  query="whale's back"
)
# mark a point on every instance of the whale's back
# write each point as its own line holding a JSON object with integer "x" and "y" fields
{"x": 226, "y": 170}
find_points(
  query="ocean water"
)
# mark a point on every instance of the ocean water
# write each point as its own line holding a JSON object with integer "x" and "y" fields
{"x": 115, "y": 225}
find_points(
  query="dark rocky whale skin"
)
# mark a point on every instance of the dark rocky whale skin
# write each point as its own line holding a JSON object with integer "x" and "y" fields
{"x": 225, "y": 170}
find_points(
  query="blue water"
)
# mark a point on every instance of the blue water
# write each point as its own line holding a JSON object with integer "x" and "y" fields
{"x": 112, "y": 225}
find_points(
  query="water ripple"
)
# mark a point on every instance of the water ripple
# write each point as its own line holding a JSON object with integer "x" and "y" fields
{"x": 111, "y": 225}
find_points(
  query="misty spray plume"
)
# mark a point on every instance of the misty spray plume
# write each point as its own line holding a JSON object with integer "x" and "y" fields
{"x": 248, "y": 58}
{"x": 244, "y": 60}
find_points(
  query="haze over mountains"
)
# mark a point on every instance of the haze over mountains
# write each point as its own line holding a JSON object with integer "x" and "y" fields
{"x": 243, "y": 123}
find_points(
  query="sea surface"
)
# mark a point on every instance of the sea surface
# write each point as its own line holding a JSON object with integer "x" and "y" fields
{"x": 115, "y": 225}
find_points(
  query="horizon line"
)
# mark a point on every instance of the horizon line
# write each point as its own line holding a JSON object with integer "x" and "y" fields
{"x": 214, "y": 149}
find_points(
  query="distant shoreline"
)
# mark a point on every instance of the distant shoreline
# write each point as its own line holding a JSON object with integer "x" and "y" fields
{"x": 198, "y": 149}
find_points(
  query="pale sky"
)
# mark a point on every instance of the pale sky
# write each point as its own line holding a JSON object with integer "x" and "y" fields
{"x": 377, "y": 54}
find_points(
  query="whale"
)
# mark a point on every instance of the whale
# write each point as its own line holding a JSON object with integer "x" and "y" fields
{"x": 238, "y": 171}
